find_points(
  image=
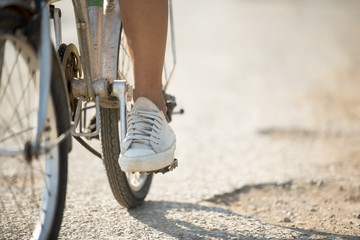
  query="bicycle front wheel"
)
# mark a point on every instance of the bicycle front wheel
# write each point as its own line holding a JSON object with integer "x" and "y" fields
{"x": 32, "y": 188}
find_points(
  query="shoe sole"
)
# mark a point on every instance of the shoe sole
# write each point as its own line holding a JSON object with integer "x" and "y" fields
{"x": 151, "y": 163}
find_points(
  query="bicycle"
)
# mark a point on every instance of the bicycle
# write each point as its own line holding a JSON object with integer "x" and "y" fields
{"x": 46, "y": 96}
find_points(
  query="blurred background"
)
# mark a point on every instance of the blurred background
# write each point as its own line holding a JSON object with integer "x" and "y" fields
{"x": 270, "y": 90}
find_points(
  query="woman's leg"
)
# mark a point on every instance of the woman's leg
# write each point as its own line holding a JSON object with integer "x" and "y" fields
{"x": 150, "y": 142}
{"x": 145, "y": 25}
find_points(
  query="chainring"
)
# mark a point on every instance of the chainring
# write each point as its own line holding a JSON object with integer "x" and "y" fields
{"x": 71, "y": 64}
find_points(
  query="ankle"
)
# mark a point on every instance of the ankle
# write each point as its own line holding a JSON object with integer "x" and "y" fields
{"x": 157, "y": 99}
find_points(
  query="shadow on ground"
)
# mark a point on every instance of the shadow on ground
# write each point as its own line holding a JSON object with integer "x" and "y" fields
{"x": 195, "y": 221}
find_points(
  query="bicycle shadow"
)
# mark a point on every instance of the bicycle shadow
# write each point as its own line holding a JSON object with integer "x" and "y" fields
{"x": 195, "y": 221}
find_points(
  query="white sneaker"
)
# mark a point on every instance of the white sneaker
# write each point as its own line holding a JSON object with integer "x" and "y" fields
{"x": 150, "y": 142}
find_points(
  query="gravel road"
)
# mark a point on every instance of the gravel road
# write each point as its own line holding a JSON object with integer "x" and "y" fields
{"x": 255, "y": 78}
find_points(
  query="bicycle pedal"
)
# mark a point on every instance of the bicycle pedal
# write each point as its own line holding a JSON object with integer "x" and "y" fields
{"x": 169, "y": 168}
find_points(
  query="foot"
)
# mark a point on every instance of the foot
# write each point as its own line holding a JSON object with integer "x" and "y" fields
{"x": 150, "y": 142}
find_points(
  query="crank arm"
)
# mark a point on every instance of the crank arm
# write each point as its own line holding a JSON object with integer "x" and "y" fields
{"x": 120, "y": 88}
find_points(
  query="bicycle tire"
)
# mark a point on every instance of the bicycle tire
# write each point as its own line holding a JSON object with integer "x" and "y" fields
{"x": 129, "y": 189}
{"x": 35, "y": 209}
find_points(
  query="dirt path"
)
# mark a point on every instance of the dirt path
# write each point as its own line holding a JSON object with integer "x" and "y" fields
{"x": 315, "y": 208}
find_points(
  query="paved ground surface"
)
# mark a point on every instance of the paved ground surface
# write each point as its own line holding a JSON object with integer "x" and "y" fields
{"x": 271, "y": 130}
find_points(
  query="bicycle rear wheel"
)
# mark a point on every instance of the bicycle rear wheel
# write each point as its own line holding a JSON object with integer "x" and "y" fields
{"x": 129, "y": 189}
{"x": 32, "y": 188}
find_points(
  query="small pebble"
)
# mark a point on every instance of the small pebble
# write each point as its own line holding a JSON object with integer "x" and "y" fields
{"x": 287, "y": 219}
{"x": 317, "y": 182}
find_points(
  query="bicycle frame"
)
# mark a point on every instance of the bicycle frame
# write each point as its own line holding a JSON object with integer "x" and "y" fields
{"x": 98, "y": 28}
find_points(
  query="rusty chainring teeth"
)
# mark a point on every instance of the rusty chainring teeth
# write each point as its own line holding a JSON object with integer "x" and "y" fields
{"x": 71, "y": 64}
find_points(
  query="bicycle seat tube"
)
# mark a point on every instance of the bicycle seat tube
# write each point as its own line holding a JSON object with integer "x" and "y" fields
{"x": 98, "y": 29}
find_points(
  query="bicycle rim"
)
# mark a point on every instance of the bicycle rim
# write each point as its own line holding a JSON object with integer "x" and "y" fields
{"x": 29, "y": 184}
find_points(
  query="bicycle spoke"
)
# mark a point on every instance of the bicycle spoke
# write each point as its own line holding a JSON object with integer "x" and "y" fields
{"x": 16, "y": 113}
{"x": 10, "y": 185}
{"x": 15, "y": 200}
{"x": 27, "y": 116}
{"x": 46, "y": 175}
{"x": 32, "y": 188}
{"x": 21, "y": 83}
{"x": 124, "y": 55}
{"x": 21, "y": 167}
{"x": 2, "y": 47}
{"x": 11, "y": 181}
{"x": 14, "y": 188}
{"x": 12, "y": 158}
{"x": 24, "y": 182}
{"x": 2, "y": 53}
{"x": 3, "y": 84}
{"x": 16, "y": 134}
{"x": 8, "y": 80}
{"x": 9, "y": 129}
{"x": 42, "y": 172}
{"x": 123, "y": 62}
{"x": 8, "y": 124}
{"x": 21, "y": 99}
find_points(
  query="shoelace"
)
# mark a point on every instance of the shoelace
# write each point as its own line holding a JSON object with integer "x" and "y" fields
{"x": 144, "y": 127}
